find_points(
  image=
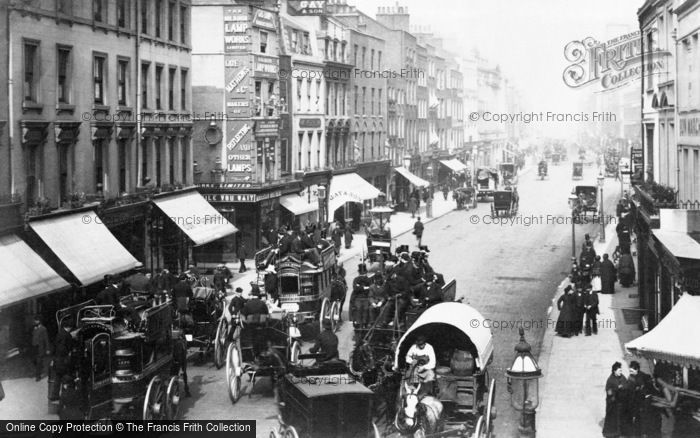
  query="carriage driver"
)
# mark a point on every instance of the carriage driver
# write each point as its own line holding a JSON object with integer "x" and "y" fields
{"x": 421, "y": 359}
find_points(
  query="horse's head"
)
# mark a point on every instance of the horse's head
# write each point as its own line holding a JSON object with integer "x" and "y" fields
{"x": 411, "y": 401}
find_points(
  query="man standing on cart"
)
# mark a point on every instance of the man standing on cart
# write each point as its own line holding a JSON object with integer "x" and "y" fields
{"x": 326, "y": 344}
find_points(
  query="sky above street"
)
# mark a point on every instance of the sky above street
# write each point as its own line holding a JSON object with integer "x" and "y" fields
{"x": 526, "y": 38}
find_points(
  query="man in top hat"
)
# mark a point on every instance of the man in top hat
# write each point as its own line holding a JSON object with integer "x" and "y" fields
{"x": 271, "y": 283}
{"x": 359, "y": 301}
{"x": 182, "y": 293}
{"x": 418, "y": 228}
{"x": 326, "y": 344}
{"x": 253, "y": 309}
{"x": 220, "y": 279}
{"x": 237, "y": 301}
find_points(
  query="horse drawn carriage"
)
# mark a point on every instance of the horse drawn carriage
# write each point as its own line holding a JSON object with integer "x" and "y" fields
{"x": 612, "y": 162}
{"x": 577, "y": 170}
{"x": 378, "y": 236}
{"x": 587, "y": 201}
{"x": 542, "y": 169}
{"x": 325, "y": 400}
{"x": 126, "y": 361}
{"x": 265, "y": 345}
{"x": 462, "y": 402}
{"x": 464, "y": 197}
{"x": 556, "y": 158}
{"x": 303, "y": 286}
{"x": 486, "y": 182}
{"x": 509, "y": 173}
{"x": 505, "y": 203}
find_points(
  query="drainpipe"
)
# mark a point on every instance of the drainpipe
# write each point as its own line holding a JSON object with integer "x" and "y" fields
{"x": 10, "y": 101}
{"x": 644, "y": 170}
{"x": 676, "y": 116}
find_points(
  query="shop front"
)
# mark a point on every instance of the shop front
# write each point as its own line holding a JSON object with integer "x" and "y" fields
{"x": 348, "y": 197}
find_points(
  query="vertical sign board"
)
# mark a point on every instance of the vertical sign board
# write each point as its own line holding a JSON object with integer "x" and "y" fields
{"x": 237, "y": 46}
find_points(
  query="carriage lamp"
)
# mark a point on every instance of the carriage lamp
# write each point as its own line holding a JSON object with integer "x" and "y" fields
{"x": 523, "y": 386}
{"x": 573, "y": 203}
{"x": 601, "y": 183}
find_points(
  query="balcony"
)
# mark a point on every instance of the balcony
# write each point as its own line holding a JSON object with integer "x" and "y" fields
{"x": 650, "y": 197}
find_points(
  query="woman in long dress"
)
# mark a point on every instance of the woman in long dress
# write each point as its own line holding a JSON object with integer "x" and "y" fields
{"x": 614, "y": 402}
{"x": 565, "y": 304}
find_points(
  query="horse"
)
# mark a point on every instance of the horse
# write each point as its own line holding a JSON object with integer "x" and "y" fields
{"x": 417, "y": 414}
{"x": 179, "y": 361}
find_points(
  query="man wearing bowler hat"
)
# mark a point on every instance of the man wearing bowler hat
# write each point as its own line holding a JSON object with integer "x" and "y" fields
{"x": 359, "y": 301}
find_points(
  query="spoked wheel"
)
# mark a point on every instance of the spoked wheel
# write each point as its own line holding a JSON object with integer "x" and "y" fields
{"x": 335, "y": 315}
{"x": 490, "y": 408}
{"x": 376, "y": 430}
{"x": 291, "y": 432}
{"x": 294, "y": 352}
{"x": 173, "y": 397}
{"x": 154, "y": 403}
{"x": 325, "y": 313}
{"x": 233, "y": 377}
{"x": 220, "y": 343}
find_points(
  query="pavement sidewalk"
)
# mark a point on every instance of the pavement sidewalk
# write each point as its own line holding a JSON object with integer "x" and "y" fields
{"x": 572, "y": 391}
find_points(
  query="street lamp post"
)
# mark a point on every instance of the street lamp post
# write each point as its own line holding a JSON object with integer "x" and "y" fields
{"x": 523, "y": 385}
{"x": 573, "y": 201}
{"x": 321, "y": 196}
{"x": 601, "y": 183}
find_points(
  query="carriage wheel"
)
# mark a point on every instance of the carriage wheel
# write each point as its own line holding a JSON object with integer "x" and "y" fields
{"x": 335, "y": 315}
{"x": 220, "y": 343}
{"x": 294, "y": 352}
{"x": 291, "y": 432}
{"x": 490, "y": 412}
{"x": 325, "y": 312}
{"x": 233, "y": 366}
{"x": 376, "y": 430}
{"x": 273, "y": 434}
{"x": 154, "y": 402}
{"x": 172, "y": 399}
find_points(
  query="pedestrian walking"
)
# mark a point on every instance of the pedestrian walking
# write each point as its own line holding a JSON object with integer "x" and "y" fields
{"x": 40, "y": 345}
{"x": 614, "y": 402}
{"x": 242, "y": 253}
{"x": 348, "y": 237}
{"x": 626, "y": 270}
{"x": 445, "y": 190}
{"x": 337, "y": 237}
{"x": 646, "y": 418}
{"x": 579, "y": 310}
{"x": 591, "y": 303}
{"x": 608, "y": 275}
{"x": 565, "y": 322}
{"x": 624, "y": 237}
{"x": 429, "y": 207}
{"x": 418, "y": 231}
{"x": 412, "y": 206}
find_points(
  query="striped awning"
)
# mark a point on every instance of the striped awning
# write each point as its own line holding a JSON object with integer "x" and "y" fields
{"x": 24, "y": 273}
{"x": 672, "y": 340}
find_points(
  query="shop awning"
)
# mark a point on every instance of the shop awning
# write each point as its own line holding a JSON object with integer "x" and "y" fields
{"x": 679, "y": 244}
{"x": 672, "y": 339}
{"x": 195, "y": 216}
{"x": 413, "y": 179}
{"x": 298, "y": 204}
{"x": 454, "y": 164}
{"x": 84, "y": 245}
{"x": 24, "y": 274}
{"x": 349, "y": 187}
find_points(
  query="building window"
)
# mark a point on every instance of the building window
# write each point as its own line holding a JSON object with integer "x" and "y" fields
{"x": 258, "y": 97}
{"x": 122, "y": 74}
{"x": 159, "y": 154}
{"x": 364, "y": 55}
{"x": 354, "y": 55}
{"x": 122, "y": 163}
{"x": 63, "y": 159}
{"x": 64, "y": 6}
{"x": 306, "y": 49}
{"x": 122, "y": 8}
{"x": 263, "y": 42}
{"x": 171, "y": 160}
{"x": 379, "y": 101}
{"x": 158, "y": 16}
{"x": 371, "y": 102}
{"x": 171, "y": 21}
{"x": 269, "y": 97}
{"x": 144, "y": 84}
{"x": 371, "y": 60}
{"x": 183, "y": 157}
{"x": 144, "y": 161}
{"x": 183, "y": 89}
{"x": 171, "y": 89}
{"x": 327, "y": 50}
{"x": 295, "y": 42}
{"x": 98, "y": 165}
{"x": 335, "y": 51}
{"x": 356, "y": 94}
{"x": 364, "y": 100}
{"x": 144, "y": 16}
{"x": 183, "y": 24}
{"x": 97, "y": 10}
{"x": 285, "y": 156}
{"x": 379, "y": 60}
{"x": 63, "y": 73}
{"x": 159, "y": 86}
{"x": 300, "y": 82}
{"x": 300, "y": 165}
{"x": 31, "y": 71}
{"x": 98, "y": 66}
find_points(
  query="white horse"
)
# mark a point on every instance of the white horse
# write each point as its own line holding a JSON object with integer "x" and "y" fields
{"x": 418, "y": 415}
